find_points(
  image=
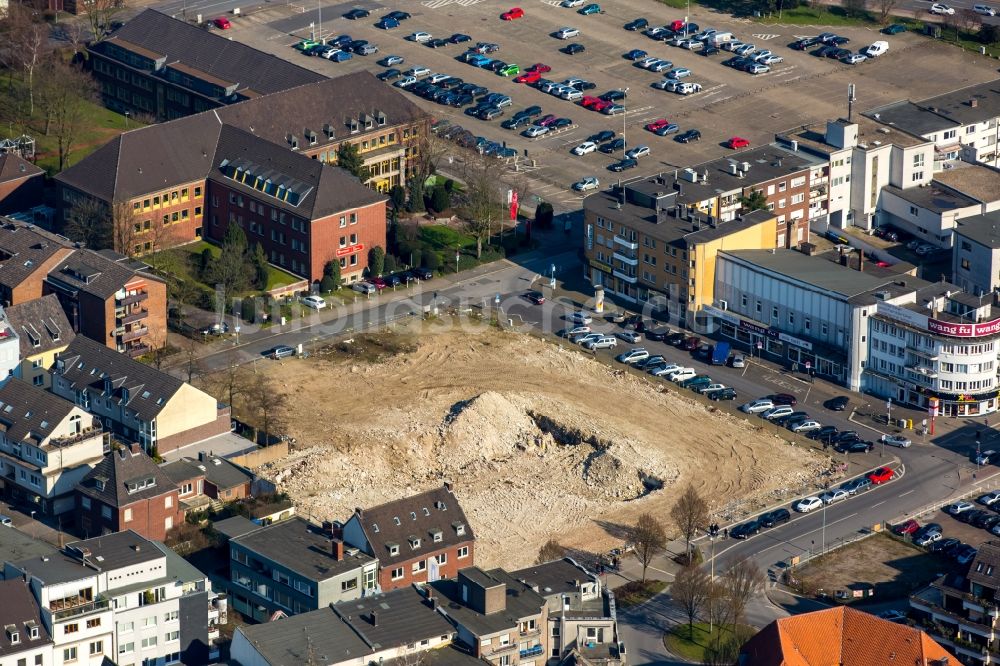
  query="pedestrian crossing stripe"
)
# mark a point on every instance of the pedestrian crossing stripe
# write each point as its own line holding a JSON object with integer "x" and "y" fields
{"x": 765, "y": 36}
{"x": 437, "y": 4}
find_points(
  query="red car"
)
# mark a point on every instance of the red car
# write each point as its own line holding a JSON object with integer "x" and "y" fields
{"x": 379, "y": 283}
{"x": 539, "y": 67}
{"x": 528, "y": 77}
{"x": 222, "y": 23}
{"x": 738, "y": 142}
{"x": 657, "y": 124}
{"x": 881, "y": 475}
{"x": 601, "y": 104}
{"x": 512, "y": 13}
{"x": 676, "y": 26}
{"x": 909, "y": 527}
{"x": 589, "y": 101}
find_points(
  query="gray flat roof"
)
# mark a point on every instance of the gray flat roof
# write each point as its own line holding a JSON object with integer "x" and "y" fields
{"x": 404, "y": 616}
{"x": 935, "y": 197}
{"x": 302, "y": 548}
{"x": 16, "y": 546}
{"x": 957, "y": 104}
{"x": 983, "y": 229}
{"x": 555, "y": 577}
{"x": 818, "y": 271}
{"x": 521, "y": 602}
{"x": 120, "y": 549}
{"x": 317, "y": 635}
{"x": 911, "y": 117}
{"x": 973, "y": 180}
{"x": 235, "y": 526}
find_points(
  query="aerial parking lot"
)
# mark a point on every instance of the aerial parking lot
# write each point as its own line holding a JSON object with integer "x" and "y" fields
{"x": 670, "y": 90}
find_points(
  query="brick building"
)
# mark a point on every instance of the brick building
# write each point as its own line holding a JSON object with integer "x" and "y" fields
{"x": 416, "y": 539}
{"x": 27, "y": 254}
{"x": 127, "y": 491}
{"x": 209, "y": 476}
{"x": 108, "y": 300}
{"x": 21, "y": 184}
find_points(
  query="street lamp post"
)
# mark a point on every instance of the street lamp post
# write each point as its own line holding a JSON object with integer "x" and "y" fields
{"x": 824, "y": 523}
{"x": 713, "y": 531}
{"x": 552, "y": 282}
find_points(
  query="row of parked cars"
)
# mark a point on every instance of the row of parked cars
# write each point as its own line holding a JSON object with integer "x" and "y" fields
{"x": 931, "y": 536}
{"x": 830, "y": 45}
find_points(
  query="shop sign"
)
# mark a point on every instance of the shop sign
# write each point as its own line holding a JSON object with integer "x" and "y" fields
{"x": 954, "y": 330}
{"x": 599, "y": 266}
{"x": 792, "y": 340}
{"x": 350, "y": 249}
{"x": 757, "y": 328}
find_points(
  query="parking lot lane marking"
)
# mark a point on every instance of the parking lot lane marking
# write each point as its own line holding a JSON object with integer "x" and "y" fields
{"x": 879, "y": 504}
{"x": 765, "y": 37}
{"x": 906, "y": 493}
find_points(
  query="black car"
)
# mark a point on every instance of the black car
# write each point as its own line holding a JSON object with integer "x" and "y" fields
{"x": 216, "y": 329}
{"x": 459, "y": 38}
{"x": 613, "y": 146}
{"x": 560, "y": 123}
{"x": 722, "y": 394}
{"x": 710, "y": 50}
{"x": 584, "y": 86}
{"x": 486, "y": 47}
{"x": 987, "y": 522}
{"x": 397, "y": 15}
{"x": 530, "y": 112}
{"x": 775, "y": 517}
{"x": 847, "y": 436}
{"x": 473, "y": 89}
{"x": 516, "y": 122}
{"x": 461, "y": 99}
{"x": 451, "y": 82}
{"x": 651, "y": 361}
{"x": 613, "y": 95}
{"x": 688, "y": 136}
{"x": 422, "y": 273}
{"x": 637, "y": 24}
{"x": 624, "y": 165}
{"x": 823, "y": 50}
{"x": 341, "y": 41}
{"x": 838, "y": 53}
{"x": 535, "y": 297}
{"x": 389, "y": 75}
{"x": 838, "y": 40}
{"x": 676, "y": 339}
{"x": 357, "y": 13}
{"x": 857, "y": 446}
{"x": 837, "y": 404}
{"x": 602, "y": 136}
{"x": 971, "y": 516}
{"x": 496, "y": 65}
{"x": 745, "y": 530}
{"x": 436, "y": 43}
{"x": 657, "y": 335}
{"x": 355, "y": 44}
{"x": 790, "y": 418}
{"x": 573, "y": 49}
{"x": 823, "y": 433}
{"x": 392, "y": 280}
{"x": 944, "y": 545}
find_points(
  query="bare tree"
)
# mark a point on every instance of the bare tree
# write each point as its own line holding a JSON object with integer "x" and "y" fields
{"x": 733, "y": 592}
{"x": 430, "y": 151}
{"x": 126, "y": 229}
{"x": 482, "y": 206}
{"x": 969, "y": 20}
{"x": 87, "y": 222}
{"x": 232, "y": 382}
{"x": 854, "y": 8}
{"x": 63, "y": 98}
{"x": 691, "y": 591}
{"x": 14, "y": 23}
{"x": 885, "y": 8}
{"x": 550, "y": 550}
{"x": 269, "y": 403}
{"x": 690, "y": 514}
{"x": 33, "y": 49}
{"x": 100, "y": 14}
{"x": 192, "y": 362}
{"x": 648, "y": 538}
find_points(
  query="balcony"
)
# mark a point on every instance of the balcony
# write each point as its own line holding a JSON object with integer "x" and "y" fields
{"x": 626, "y": 243}
{"x": 533, "y": 651}
{"x": 817, "y": 194}
{"x": 137, "y": 350}
{"x": 131, "y": 299}
{"x": 503, "y": 649}
{"x": 138, "y": 315}
{"x": 632, "y": 279}
{"x": 134, "y": 334}
{"x": 816, "y": 212}
{"x": 625, "y": 259}
{"x": 64, "y": 609}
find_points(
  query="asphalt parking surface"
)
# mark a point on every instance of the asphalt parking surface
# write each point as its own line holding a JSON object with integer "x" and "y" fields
{"x": 802, "y": 89}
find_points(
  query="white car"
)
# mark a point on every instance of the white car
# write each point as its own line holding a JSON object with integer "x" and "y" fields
{"x": 535, "y": 131}
{"x": 835, "y": 495}
{"x": 854, "y": 59}
{"x": 687, "y": 88}
{"x": 580, "y": 318}
{"x": 572, "y": 3}
{"x": 577, "y": 330}
{"x": 666, "y": 84}
{"x": 588, "y": 183}
{"x": 417, "y": 71}
{"x": 712, "y": 387}
{"x": 758, "y": 68}
{"x": 631, "y": 337}
{"x": 941, "y": 9}
{"x": 603, "y": 342}
{"x": 567, "y": 33}
{"x": 583, "y": 340}
{"x": 585, "y": 148}
{"x": 896, "y": 440}
{"x": 405, "y": 82}
{"x": 984, "y": 10}
{"x": 633, "y": 356}
{"x": 637, "y": 152}
{"x": 683, "y": 375}
{"x": 420, "y": 37}
{"x": 666, "y": 370}
{"x": 314, "y": 302}
{"x": 437, "y": 78}
{"x": 570, "y": 94}
{"x": 989, "y": 499}
{"x": 6, "y": 521}
{"x": 645, "y": 63}
{"x": 807, "y": 425}
{"x": 807, "y": 504}
{"x": 760, "y": 55}
{"x": 757, "y": 406}
{"x": 959, "y": 507}
{"x": 771, "y": 60}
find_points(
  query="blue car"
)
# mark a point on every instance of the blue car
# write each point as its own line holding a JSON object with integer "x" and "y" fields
{"x": 592, "y": 8}
{"x": 340, "y": 56}
{"x": 636, "y": 54}
{"x": 387, "y": 23}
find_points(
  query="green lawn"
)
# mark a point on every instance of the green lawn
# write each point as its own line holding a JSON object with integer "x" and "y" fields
{"x": 818, "y": 15}
{"x": 636, "y": 592}
{"x": 182, "y": 260}
{"x": 692, "y": 643}
{"x": 443, "y": 237}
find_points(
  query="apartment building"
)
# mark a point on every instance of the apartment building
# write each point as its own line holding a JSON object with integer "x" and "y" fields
{"x": 43, "y": 331}
{"x": 167, "y": 68}
{"x": 134, "y": 400}
{"x": 109, "y": 299}
{"x": 402, "y": 624}
{"x": 25, "y": 640}
{"x": 47, "y": 446}
{"x": 122, "y": 598}
{"x": 295, "y": 567}
{"x": 415, "y": 539}
{"x": 962, "y": 606}
{"x": 844, "y": 636}
{"x": 642, "y": 246}
{"x": 499, "y": 619}
{"x": 127, "y": 491}
{"x": 27, "y": 254}
{"x": 209, "y": 477}
{"x": 10, "y": 348}
{"x": 582, "y": 616}
{"x": 975, "y": 266}
{"x": 21, "y": 184}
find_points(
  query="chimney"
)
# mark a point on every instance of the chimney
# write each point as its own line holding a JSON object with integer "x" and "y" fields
{"x": 202, "y": 456}
{"x": 357, "y": 511}
{"x": 973, "y": 103}
{"x": 374, "y": 619}
{"x": 136, "y": 448}
{"x": 433, "y": 601}
{"x": 337, "y": 549}
{"x": 447, "y": 486}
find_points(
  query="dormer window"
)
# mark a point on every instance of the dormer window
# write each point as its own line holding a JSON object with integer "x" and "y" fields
{"x": 33, "y": 631}
{"x": 414, "y": 542}
{"x": 375, "y": 528}
{"x": 427, "y": 511}
{"x": 393, "y": 548}
{"x": 459, "y": 528}
{"x": 396, "y": 520}
{"x": 413, "y": 515}
{"x": 12, "y": 634}
{"x": 437, "y": 536}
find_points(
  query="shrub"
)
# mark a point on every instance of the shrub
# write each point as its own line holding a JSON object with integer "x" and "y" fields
{"x": 397, "y": 195}
{"x": 440, "y": 199}
{"x": 544, "y": 215}
{"x": 449, "y": 186}
{"x": 332, "y": 271}
{"x": 327, "y": 284}
{"x": 248, "y": 309}
{"x": 431, "y": 260}
{"x": 391, "y": 265}
{"x": 205, "y": 261}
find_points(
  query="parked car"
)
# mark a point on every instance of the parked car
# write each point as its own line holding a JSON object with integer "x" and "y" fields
{"x": 805, "y": 426}
{"x": 983, "y": 457}
{"x": 896, "y": 440}
{"x": 807, "y": 504}
{"x": 925, "y": 540}
{"x": 858, "y": 485}
{"x": 314, "y": 302}
{"x": 837, "y": 404}
{"x": 724, "y": 394}
{"x": 688, "y": 136}
{"x": 222, "y": 23}
{"x": 907, "y": 527}
{"x": 566, "y": 33}
{"x": 989, "y": 499}
{"x": 757, "y": 406}
{"x": 633, "y": 356}
{"x": 834, "y": 495}
{"x": 280, "y": 351}
{"x": 422, "y": 273}
{"x": 959, "y": 508}
{"x": 587, "y": 183}
{"x": 944, "y": 545}
{"x": 965, "y": 555}
{"x": 881, "y": 475}
{"x": 745, "y": 530}
{"x": 775, "y": 517}
{"x": 512, "y": 14}
{"x": 777, "y": 412}
{"x": 6, "y": 521}
{"x": 737, "y": 142}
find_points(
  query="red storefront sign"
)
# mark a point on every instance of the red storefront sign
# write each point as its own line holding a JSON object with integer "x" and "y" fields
{"x": 963, "y": 330}
{"x": 350, "y": 249}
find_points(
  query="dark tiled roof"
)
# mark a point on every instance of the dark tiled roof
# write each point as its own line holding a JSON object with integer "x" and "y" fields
{"x": 302, "y": 548}
{"x": 912, "y": 117}
{"x": 957, "y": 105}
{"x": 213, "y": 54}
{"x": 116, "y": 550}
{"x": 109, "y": 481}
{"x": 403, "y": 617}
{"x": 520, "y": 601}
{"x": 30, "y": 413}
{"x": 984, "y": 229}
{"x": 221, "y": 473}
{"x": 23, "y": 248}
{"x": 555, "y": 577}
{"x": 985, "y": 568}
{"x": 41, "y": 321}
{"x": 318, "y": 636}
{"x": 14, "y": 167}
{"x": 85, "y": 363}
{"x": 94, "y": 273}
{"x": 333, "y": 101}
{"x": 419, "y": 516}
{"x": 20, "y": 610}
{"x": 235, "y": 526}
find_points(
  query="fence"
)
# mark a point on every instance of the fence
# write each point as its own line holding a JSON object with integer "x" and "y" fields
{"x": 262, "y": 456}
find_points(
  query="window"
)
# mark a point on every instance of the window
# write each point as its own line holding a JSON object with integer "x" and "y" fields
{"x": 71, "y": 628}
{"x": 168, "y": 501}
{"x": 917, "y": 175}
{"x": 950, "y": 134}
{"x": 965, "y": 264}
{"x": 128, "y": 515}
{"x": 149, "y": 642}
{"x": 93, "y": 622}
{"x": 69, "y": 654}
{"x": 125, "y": 627}
{"x": 397, "y": 573}
{"x": 442, "y": 558}
{"x": 126, "y": 648}
{"x": 463, "y": 552}
{"x": 918, "y": 160}
{"x": 96, "y": 647}
{"x": 85, "y": 502}
{"x": 172, "y": 636}
{"x": 419, "y": 566}
{"x": 149, "y": 621}
{"x": 913, "y": 211}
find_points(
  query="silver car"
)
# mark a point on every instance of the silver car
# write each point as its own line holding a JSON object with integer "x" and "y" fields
{"x": 896, "y": 440}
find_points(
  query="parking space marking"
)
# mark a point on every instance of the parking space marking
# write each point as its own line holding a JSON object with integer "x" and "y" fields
{"x": 437, "y": 4}
{"x": 765, "y": 37}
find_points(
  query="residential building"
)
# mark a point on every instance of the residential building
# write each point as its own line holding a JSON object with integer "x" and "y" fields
{"x": 10, "y": 348}
{"x": 975, "y": 265}
{"x": 167, "y": 68}
{"x": 375, "y": 629}
{"x": 43, "y": 331}
{"x": 47, "y": 446}
{"x": 844, "y": 636}
{"x": 964, "y": 607}
{"x": 642, "y": 246}
{"x": 15, "y": 546}
{"x": 416, "y": 539}
{"x": 123, "y": 598}
{"x": 128, "y": 491}
{"x": 922, "y": 121}
{"x": 121, "y": 306}
{"x": 976, "y": 111}
{"x": 134, "y": 400}
{"x": 294, "y": 567}
{"x": 27, "y": 254}
{"x": 500, "y": 620}
{"x": 25, "y": 640}
{"x": 582, "y": 616}
{"x": 208, "y": 477}
{"x": 21, "y": 184}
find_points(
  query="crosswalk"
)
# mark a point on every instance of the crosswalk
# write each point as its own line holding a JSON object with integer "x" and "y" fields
{"x": 438, "y": 4}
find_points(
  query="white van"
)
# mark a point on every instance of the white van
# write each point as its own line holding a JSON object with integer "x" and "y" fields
{"x": 683, "y": 375}
{"x": 602, "y": 342}
{"x": 876, "y": 49}
{"x": 720, "y": 38}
